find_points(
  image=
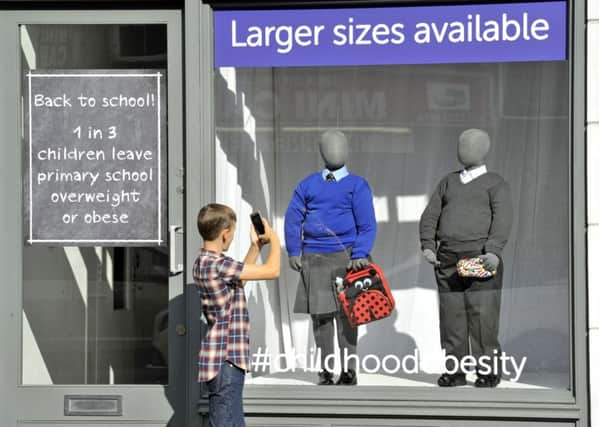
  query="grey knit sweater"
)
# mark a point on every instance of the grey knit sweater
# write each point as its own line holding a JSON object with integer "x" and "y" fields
{"x": 464, "y": 217}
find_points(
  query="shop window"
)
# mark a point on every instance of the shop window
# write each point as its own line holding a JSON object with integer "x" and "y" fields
{"x": 403, "y": 123}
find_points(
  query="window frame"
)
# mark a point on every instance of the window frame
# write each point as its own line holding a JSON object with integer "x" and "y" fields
{"x": 385, "y": 401}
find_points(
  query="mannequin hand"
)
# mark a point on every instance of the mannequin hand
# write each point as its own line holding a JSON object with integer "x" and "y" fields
{"x": 490, "y": 261}
{"x": 295, "y": 262}
{"x": 358, "y": 264}
{"x": 431, "y": 257}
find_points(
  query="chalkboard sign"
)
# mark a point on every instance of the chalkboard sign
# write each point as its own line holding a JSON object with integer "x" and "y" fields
{"x": 95, "y": 158}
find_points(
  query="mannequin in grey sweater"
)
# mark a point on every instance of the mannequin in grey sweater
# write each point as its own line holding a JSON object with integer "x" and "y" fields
{"x": 469, "y": 215}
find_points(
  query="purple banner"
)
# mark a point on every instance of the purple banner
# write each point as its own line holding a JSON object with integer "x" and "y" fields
{"x": 391, "y": 35}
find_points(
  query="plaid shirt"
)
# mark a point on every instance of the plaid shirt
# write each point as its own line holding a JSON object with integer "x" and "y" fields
{"x": 224, "y": 305}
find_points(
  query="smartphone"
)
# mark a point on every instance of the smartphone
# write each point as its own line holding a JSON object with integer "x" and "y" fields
{"x": 257, "y": 222}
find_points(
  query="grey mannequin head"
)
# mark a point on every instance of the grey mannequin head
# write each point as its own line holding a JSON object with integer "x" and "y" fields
{"x": 333, "y": 149}
{"x": 473, "y": 147}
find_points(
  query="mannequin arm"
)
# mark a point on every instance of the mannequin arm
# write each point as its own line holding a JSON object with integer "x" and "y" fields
{"x": 363, "y": 209}
{"x": 430, "y": 220}
{"x": 490, "y": 261}
{"x": 501, "y": 206}
{"x": 294, "y": 220}
{"x": 295, "y": 262}
{"x": 358, "y": 264}
{"x": 431, "y": 257}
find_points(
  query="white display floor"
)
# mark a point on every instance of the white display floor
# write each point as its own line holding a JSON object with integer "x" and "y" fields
{"x": 527, "y": 381}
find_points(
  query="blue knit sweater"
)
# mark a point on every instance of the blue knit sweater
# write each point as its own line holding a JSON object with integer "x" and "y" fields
{"x": 325, "y": 217}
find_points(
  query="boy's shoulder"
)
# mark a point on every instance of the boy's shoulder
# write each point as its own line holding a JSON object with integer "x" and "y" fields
{"x": 216, "y": 261}
{"x": 207, "y": 257}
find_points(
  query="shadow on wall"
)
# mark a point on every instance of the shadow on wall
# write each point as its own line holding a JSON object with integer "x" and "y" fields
{"x": 56, "y": 285}
{"x": 254, "y": 179}
{"x": 100, "y": 336}
{"x": 382, "y": 340}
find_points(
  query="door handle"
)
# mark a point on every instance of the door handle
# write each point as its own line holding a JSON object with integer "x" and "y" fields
{"x": 175, "y": 268}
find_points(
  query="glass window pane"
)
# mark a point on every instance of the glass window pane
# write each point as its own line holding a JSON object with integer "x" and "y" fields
{"x": 403, "y": 125}
{"x": 94, "y": 315}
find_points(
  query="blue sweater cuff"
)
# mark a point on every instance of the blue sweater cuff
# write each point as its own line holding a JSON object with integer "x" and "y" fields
{"x": 358, "y": 254}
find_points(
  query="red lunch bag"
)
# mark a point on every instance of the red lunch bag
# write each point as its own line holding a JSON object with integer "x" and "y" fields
{"x": 365, "y": 295}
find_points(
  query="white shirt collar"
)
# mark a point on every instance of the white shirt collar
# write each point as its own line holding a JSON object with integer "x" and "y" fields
{"x": 469, "y": 175}
{"x": 339, "y": 174}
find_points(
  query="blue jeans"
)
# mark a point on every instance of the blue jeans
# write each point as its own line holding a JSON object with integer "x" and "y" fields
{"x": 225, "y": 397}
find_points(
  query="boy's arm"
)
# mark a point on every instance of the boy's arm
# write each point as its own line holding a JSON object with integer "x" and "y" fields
{"x": 254, "y": 250}
{"x": 272, "y": 267}
{"x": 252, "y": 254}
{"x": 219, "y": 290}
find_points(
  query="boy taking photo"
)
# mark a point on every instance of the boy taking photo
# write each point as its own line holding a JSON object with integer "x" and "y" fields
{"x": 224, "y": 355}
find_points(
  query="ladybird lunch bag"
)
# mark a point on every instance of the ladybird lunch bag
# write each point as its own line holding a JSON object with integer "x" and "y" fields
{"x": 365, "y": 295}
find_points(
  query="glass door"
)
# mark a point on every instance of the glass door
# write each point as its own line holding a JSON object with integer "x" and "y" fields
{"x": 101, "y": 325}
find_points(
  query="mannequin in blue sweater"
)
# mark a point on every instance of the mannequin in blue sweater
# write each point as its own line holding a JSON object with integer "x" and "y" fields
{"x": 330, "y": 228}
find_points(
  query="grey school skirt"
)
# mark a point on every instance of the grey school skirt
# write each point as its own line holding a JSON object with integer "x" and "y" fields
{"x": 316, "y": 290}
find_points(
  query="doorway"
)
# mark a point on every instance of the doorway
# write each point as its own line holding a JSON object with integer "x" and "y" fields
{"x": 101, "y": 331}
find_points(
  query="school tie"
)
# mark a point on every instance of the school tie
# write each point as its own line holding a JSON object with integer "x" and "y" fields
{"x": 330, "y": 177}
